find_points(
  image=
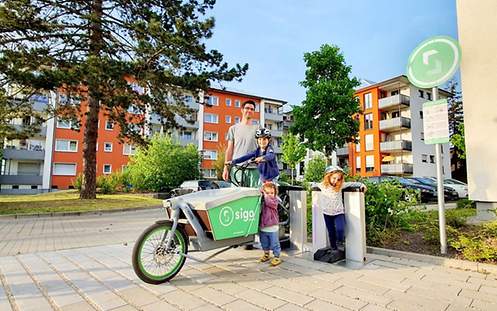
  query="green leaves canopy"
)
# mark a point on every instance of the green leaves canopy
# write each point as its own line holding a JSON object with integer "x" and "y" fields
{"x": 325, "y": 118}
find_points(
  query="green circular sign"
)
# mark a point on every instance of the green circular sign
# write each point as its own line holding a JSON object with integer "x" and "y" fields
{"x": 433, "y": 62}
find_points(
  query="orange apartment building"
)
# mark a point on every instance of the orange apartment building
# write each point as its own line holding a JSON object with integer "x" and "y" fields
{"x": 391, "y": 138}
{"x": 54, "y": 158}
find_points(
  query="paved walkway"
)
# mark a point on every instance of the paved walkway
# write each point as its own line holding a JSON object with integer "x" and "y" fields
{"x": 101, "y": 278}
{"x": 34, "y": 234}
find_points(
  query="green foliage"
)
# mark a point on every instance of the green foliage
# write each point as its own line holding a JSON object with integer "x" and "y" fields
{"x": 78, "y": 182}
{"x": 106, "y": 184}
{"x": 293, "y": 151}
{"x": 113, "y": 56}
{"x": 465, "y": 203}
{"x": 478, "y": 245}
{"x": 314, "y": 171}
{"x": 458, "y": 141}
{"x": 476, "y": 249}
{"x": 325, "y": 117}
{"x": 163, "y": 165}
{"x": 388, "y": 206}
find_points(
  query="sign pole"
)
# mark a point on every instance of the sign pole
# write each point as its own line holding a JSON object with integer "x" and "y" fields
{"x": 440, "y": 189}
{"x": 431, "y": 64}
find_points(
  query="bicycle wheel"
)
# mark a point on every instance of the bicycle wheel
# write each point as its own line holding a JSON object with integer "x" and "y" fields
{"x": 151, "y": 261}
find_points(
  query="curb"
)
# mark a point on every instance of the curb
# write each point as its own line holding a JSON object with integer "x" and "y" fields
{"x": 440, "y": 261}
{"x": 82, "y": 213}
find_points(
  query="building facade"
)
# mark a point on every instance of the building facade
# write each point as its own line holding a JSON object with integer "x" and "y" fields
{"x": 391, "y": 137}
{"x": 54, "y": 158}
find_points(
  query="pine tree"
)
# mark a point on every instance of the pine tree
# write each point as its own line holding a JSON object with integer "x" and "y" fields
{"x": 111, "y": 56}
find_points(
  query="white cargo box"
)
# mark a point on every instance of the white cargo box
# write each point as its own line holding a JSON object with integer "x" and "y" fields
{"x": 207, "y": 199}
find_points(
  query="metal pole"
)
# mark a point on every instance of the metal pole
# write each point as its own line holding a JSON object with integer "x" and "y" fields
{"x": 440, "y": 189}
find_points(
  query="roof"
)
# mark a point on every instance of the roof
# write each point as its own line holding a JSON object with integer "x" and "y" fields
{"x": 402, "y": 80}
{"x": 239, "y": 92}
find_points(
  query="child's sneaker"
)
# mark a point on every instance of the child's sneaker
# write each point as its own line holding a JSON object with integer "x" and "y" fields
{"x": 276, "y": 261}
{"x": 264, "y": 258}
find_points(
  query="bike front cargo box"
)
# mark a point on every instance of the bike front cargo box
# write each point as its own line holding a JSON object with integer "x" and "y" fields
{"x": 230, "y": 212}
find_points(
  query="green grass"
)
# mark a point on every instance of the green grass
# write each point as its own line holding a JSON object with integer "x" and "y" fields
{"x": 68, "y": 201}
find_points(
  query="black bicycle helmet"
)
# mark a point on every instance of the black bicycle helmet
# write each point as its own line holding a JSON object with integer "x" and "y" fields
{"x": 263, "y": 132}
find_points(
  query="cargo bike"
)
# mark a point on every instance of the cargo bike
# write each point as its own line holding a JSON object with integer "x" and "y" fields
{"x": 203, "y": 221}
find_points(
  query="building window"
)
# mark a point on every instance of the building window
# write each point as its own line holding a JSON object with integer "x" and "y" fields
{"x": 421, "y": 114}
{"x": 424, "y": 158}
{"x": 237, "y": 120}
{"x": 369, "y": 163}
{"x": 358, "y": 147}
{"x": 64, "y": 145}
{"x": 15, "y": 187}
{"x": 129, "y": 149}
{"x": 186, "y": 135}
{"x": 109, "y": 126}
{"x": 428, "y": 96}
{"x": 107, "y": 169}
{"x": 393, "y": 93}
{"x": 421, "y": 93}
{"x": 64, "y": 124}
{"x": 432, "y": 159}
{"x": 213, "y": 101}
{"x": 107, "y": 147}
{"x": 237, "y": 103}
{"x": 228, "y": 119}
{"x": 210, "y": 136}
{"x": 34, "y": 187}
{"x": 209, "y": 173}
{"x": 368, "y": 121}
{"x": 210, "y": 155}
{"x": 211, "y": 118}
{"x": 423, "y": 136}
{"x": 64, "y": 169}
{"x": 257, "y": 107}
{"x": 358, "y": 164}
{"x": 368, "y": 101}
{"x": 228, "y": 102}
{"x": 369, "y": 142}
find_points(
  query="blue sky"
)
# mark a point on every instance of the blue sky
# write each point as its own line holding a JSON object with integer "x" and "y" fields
{"x": 376, "y": 37}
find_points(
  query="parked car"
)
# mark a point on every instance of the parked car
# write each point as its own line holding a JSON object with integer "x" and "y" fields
{"x": 459, "y": 186}
{"x": 189, "y": 186}
{"x": 427, "y": 193}
{"x": 450, "y": 194}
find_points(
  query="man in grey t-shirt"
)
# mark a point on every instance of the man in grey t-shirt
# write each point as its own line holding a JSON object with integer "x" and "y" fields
{"x": 241, "y": 140}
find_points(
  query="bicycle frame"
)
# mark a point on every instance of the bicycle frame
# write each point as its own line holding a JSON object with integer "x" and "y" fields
{"x": 200, "y": 242}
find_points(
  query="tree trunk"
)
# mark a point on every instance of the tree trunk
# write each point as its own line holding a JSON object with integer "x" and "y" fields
{"x": 89, "y": 189}
{"x": 292, "y": 175}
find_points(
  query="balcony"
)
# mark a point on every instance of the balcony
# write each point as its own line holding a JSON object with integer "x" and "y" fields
{"x": 395, "y": 124}
{"x": 395, "y": 146}
{"x": 32, "y": 153}
{"x": 394, "y": 102}
{"x": 273, "y": 116}
{"x": 186, "y": 141}
{"x": 396, "y": 169}
{"x": 343, "y": 152}
{"x": 21, "y": 179}
{"x": 276, "y": 133}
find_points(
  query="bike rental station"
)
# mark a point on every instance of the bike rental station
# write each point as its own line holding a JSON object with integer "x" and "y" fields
{"x": 220, "y": 219}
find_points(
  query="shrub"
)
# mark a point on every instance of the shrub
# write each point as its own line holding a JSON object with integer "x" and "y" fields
{"x": 387, "y": 208}
{"x": 112, "y": 183}
{"x": 314, "y": 171}
{"x": 78, "y": 182}
{"x": 465, "y": 203}
{"x": 163, "y": 165}
{"x": 476, "y": 248}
